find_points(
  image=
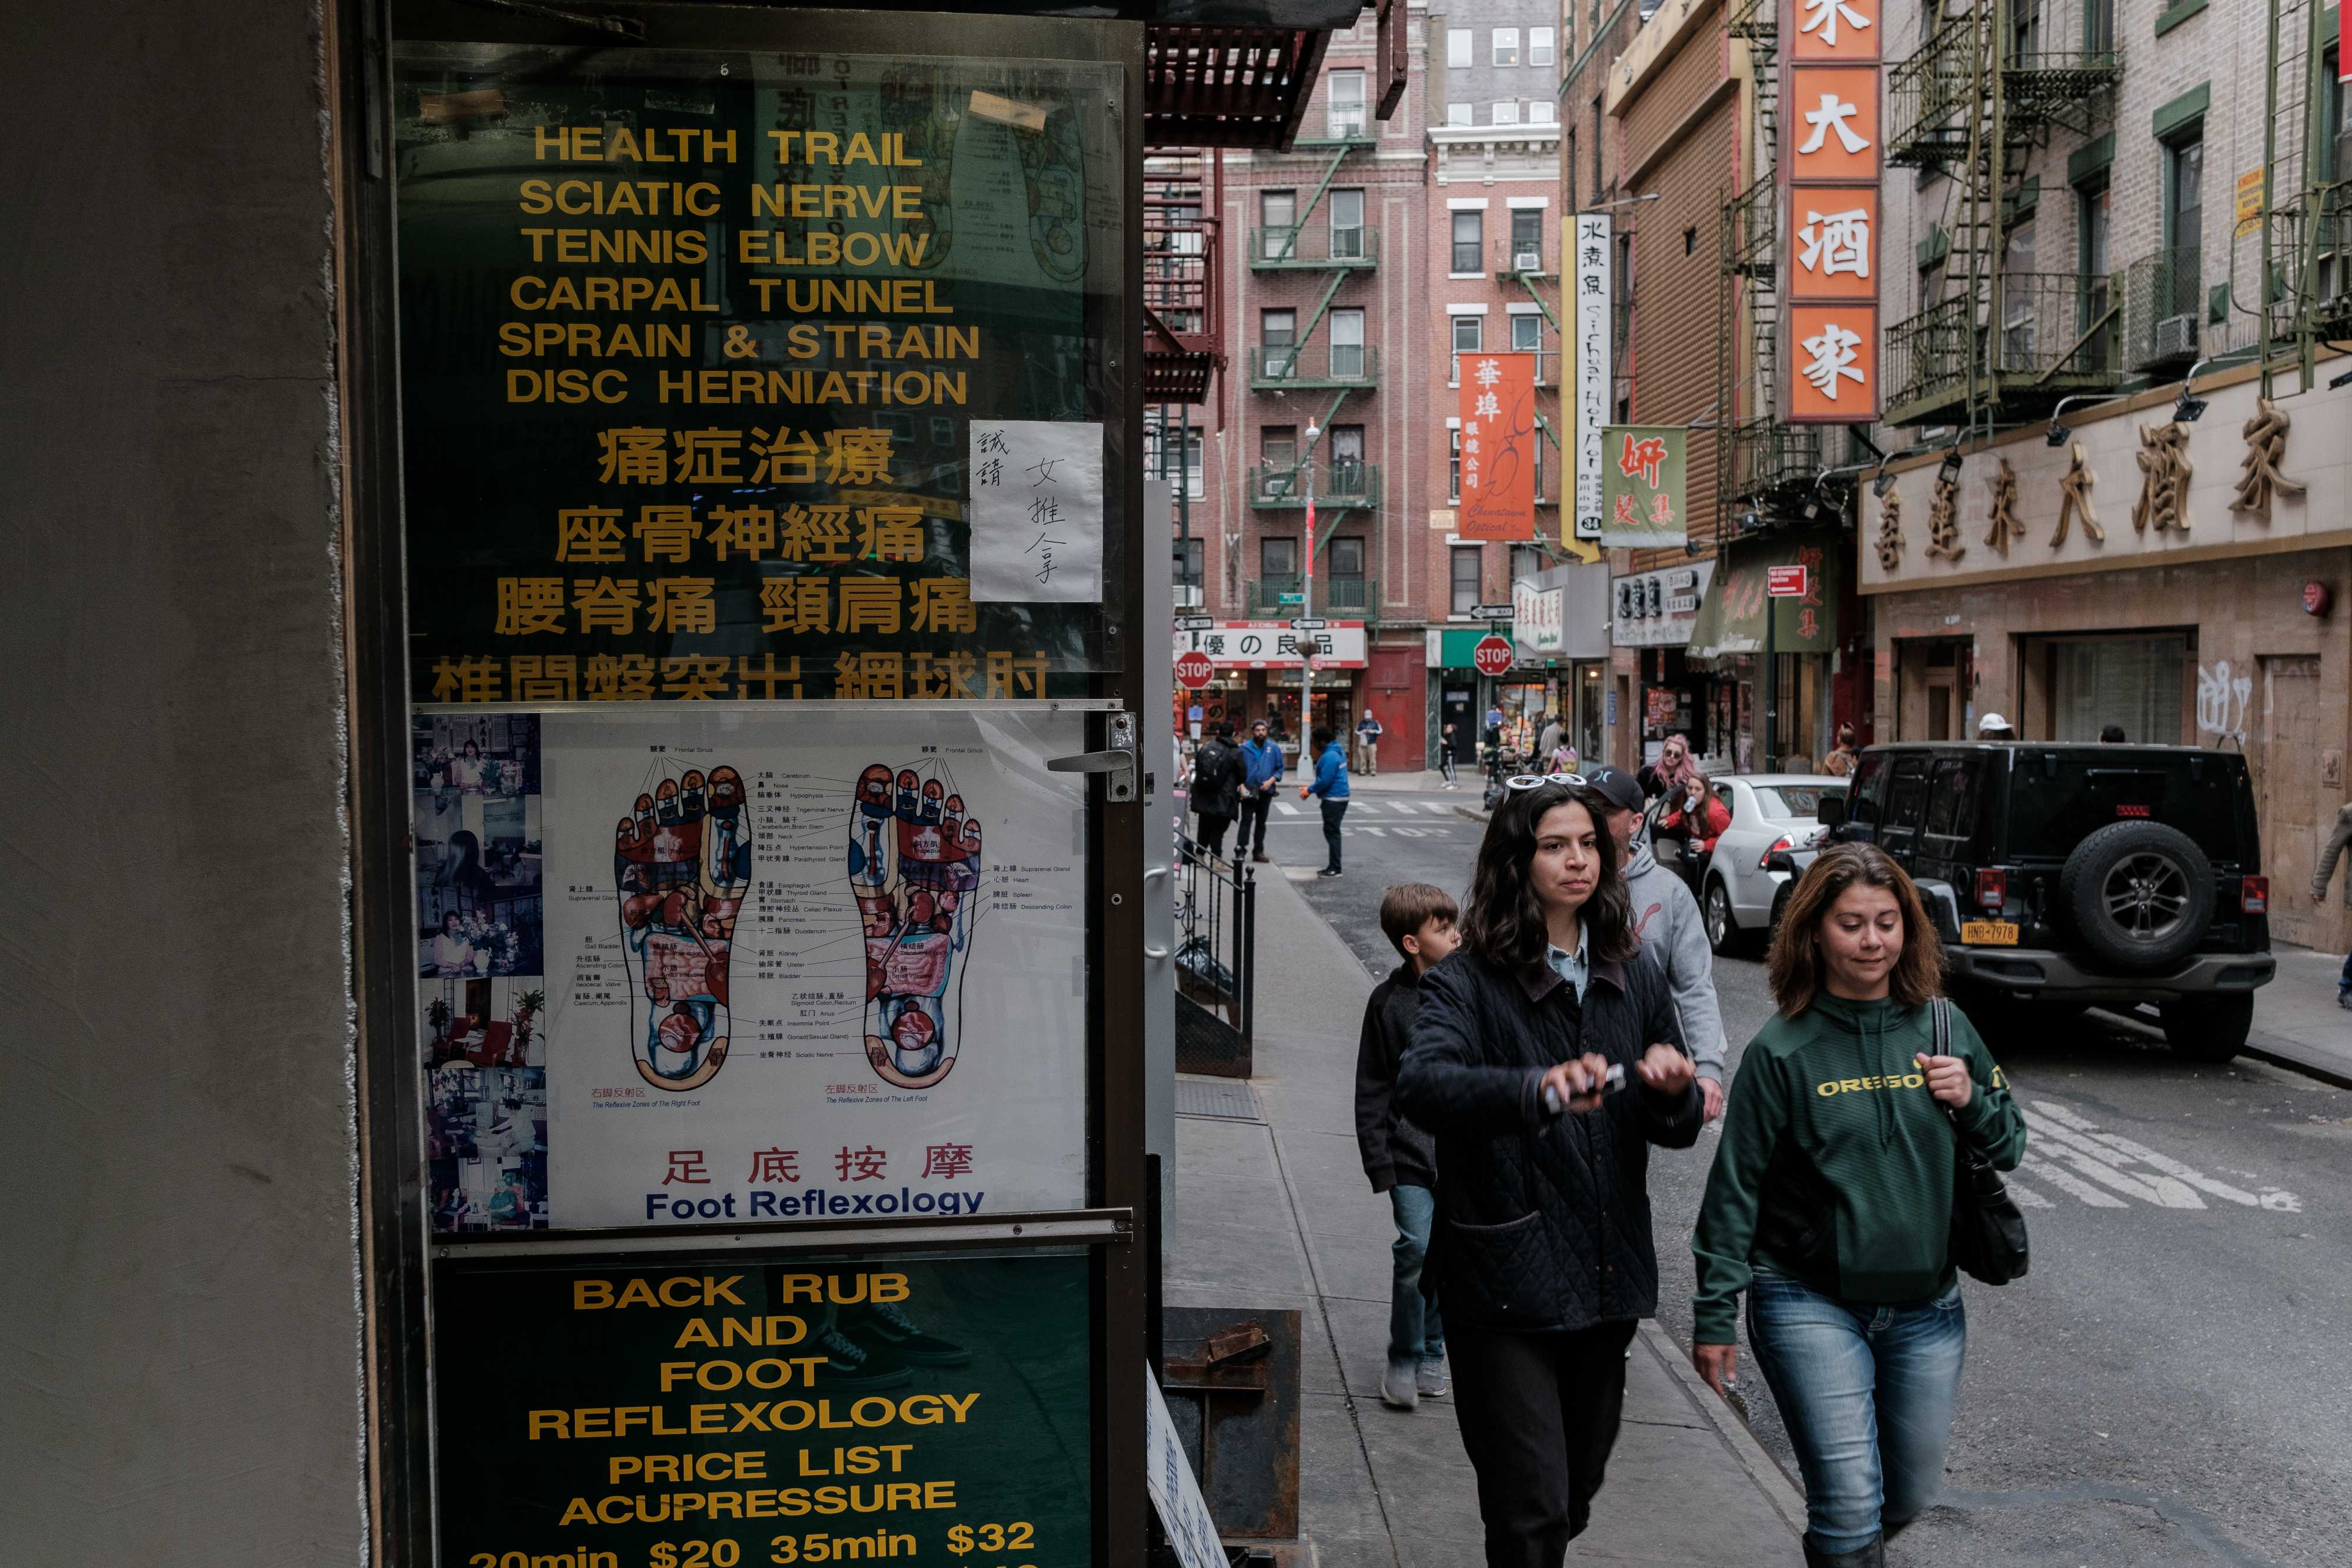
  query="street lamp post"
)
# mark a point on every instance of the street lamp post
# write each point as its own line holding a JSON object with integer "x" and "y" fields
{"x": 1306, "y": 609}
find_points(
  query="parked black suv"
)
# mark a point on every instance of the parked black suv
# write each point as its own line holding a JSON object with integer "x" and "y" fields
{"x": 2063, "y": 875}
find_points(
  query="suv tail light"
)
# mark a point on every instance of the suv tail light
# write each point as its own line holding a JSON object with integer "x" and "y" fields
{"x": 1992, "y": 886}
{"x": 2255, "y": 895}
{"x": 1764, "y": 861}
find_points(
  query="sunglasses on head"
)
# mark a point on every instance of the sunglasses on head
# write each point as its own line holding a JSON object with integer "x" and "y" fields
{"x": 1531, "y": 780}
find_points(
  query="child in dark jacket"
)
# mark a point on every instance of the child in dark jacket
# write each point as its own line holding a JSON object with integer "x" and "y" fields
{"x": 1401, "y": 1158}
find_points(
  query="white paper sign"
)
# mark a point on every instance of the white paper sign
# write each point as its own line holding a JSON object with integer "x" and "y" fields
{"x": 813, "y": 965}
{"x": 1037, "y": 512}
{"x": 1591, "y": 357}
{"x": 1175, "y": 1494}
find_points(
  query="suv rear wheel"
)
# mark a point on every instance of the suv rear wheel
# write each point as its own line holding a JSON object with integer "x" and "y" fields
{"x": 2140, "y": 893}
{"x": 2209, "y": 1028}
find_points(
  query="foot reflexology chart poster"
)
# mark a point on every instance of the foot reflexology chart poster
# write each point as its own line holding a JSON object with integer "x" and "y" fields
{"x": 815, "y": 964}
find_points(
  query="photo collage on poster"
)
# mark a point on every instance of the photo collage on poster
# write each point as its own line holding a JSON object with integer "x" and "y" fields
{"x": 480, "y": 964}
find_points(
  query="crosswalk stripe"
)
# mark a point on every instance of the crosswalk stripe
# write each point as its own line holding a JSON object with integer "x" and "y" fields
{"x": 1376, "y": 833}
{"x": 1286, "y": 807}
{"x": 1437, "y": 808}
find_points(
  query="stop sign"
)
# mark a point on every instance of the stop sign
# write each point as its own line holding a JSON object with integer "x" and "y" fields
{"x": 1492, "y": 656}
{"x": 1194, "y": 671}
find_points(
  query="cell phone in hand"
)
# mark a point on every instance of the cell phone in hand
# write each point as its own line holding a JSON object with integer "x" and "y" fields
{"x": 1611, "y": 1083}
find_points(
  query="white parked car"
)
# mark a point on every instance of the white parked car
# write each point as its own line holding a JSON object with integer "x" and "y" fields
{"x": 1737, "y": 887}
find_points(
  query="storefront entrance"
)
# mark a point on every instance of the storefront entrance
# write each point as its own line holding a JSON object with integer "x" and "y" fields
{"x": 1934, "y": 680}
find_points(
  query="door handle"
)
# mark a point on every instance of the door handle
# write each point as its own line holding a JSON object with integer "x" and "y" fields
{"x": 1116, "y": 762}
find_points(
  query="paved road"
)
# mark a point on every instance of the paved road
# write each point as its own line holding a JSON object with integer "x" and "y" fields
{"x": 2173, "y": 1383}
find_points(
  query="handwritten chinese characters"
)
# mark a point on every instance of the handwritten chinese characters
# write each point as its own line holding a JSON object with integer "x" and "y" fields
{"x": 1037, "y": 512}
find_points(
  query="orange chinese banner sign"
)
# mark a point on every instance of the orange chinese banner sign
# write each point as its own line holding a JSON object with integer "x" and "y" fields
{"x": 1834, "y": 93}
{"x": 1498, "y": 447}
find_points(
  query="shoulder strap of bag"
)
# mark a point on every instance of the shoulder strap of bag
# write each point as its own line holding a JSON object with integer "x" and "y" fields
{"x": 1943, "y": 1006}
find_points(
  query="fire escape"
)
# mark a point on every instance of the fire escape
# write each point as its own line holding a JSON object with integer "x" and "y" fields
{"x": 1183, "y": 305}
{"x": 1999, "y": 340}
{"x": 2307, "y": 237}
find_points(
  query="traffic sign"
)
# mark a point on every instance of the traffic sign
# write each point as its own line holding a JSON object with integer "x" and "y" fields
{"x": 1492, "y": 656}
{"x": 1784, "y": 581}
{"x": 1490, "y": 613}
{"x": 1308, "y": 626}
{"x": 1290, "y": 599}
{"x": 1194, "y": 671}
{"x": 1196, "y": 624}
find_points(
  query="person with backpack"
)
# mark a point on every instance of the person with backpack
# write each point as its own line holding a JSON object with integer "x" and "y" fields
{"x": 1215, "y": 792}
{"x": 1832, "y": 1199}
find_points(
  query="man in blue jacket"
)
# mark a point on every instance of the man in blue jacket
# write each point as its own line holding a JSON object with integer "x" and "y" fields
{"x": 1261, "y": 775}
{"x": 1331, "y": 785}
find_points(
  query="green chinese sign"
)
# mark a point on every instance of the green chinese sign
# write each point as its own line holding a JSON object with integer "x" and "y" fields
{"x": 1644, "y": 476}
{"x": 748, "y": 1408}
{"x": 1732, "y": 619}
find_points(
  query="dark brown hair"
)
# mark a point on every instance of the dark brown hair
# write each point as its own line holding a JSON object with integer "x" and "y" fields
{"x": 1409, "y": 905}
{"x": 1795, "y": 966}
{"x": 1504, "y": 923}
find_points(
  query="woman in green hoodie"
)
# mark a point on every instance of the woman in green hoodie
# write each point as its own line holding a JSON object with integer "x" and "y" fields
{"x": 1831, "y": 1198}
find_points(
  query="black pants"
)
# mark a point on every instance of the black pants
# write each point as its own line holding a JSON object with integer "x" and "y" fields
{"x": 1212, "y": 833}
{"x": 1539, "y": 1415}
{"x": 1256, "y": 806}
{"x": 1332, "y": 811}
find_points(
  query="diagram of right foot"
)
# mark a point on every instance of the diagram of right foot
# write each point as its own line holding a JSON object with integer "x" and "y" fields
{"x": 914, "y": 866}
{"x": 682, "y": 862}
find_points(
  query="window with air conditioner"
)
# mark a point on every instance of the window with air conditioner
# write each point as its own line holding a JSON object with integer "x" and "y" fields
{"x": 1507, "y": 45}
{"x": 1540, "y": 50}
{"x": 1469, "y": 240}
{"x": 1527, "y": 239}
{"x": 1345, "y": 109}
{"x": 1277, "y": 336}
{"x": 2176, "y": 280}
{"x": 1460, "y": 48}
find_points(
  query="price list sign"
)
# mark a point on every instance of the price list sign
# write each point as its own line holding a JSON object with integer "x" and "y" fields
{"x": 745, "y": 1410}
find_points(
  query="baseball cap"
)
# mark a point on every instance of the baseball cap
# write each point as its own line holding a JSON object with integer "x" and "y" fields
{"x": 1991, "y": 721}
{"x": 1617, "y": 787}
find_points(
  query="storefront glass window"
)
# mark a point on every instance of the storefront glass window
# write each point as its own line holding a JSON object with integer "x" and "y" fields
{"x": 2134, "y": 682}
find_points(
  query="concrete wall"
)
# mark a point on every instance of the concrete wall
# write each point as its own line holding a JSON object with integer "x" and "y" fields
{"x": 179, "y": 1340}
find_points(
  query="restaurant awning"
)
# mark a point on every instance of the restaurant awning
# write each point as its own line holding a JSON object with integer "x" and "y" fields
{"x": 1731, "y": 617}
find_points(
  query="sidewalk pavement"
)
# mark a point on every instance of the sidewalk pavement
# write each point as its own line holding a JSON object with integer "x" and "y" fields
{"x": 2297, "y": 1023}
{"x": 1275, "y": 1213}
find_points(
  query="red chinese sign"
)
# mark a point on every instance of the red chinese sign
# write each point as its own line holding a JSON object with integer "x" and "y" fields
{"x": 1833, "y": 97}
{"x": 1498, "y": 447}
{"x": 1784, "y": 581}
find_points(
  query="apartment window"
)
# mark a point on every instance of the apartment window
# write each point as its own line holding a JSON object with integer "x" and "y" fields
{"x": 1469, "y": 336}
{"x": 1465, "y": 568}
{"x": 1526, "y": 331}
{"x": 1347, "y": 558}
{"x": 1459, "y": 46}
{"x": 2025, "y": 33}
{"x": 1277, "y": 558}
{"x": 1190, "y": 560}
{"x": 2091, "y": 267}
{"x": 1277, "y": 446}
{"x": 1540, "y": 111}
{"x": 1277, "y": 209}
{"x": 1540, "y": 51}
{"x": 2017, "y": 333}
{"x": 1526, "y": 561}
{"x": 2099, "y": 27}
{"x": 1159, "y": 443}
{"x": 1277, "y": 334}
{"x": 1345, "y": 109}
{"x": 1507, "y": 111}
{"x": 1507, "y": 45}
{"x": 1526, "y": 237}
{"x": 2184, "y": 191}
{"x": 1469, "y": 240}
{"x": 1348, "y": 345}
{"x": 1457, "y": 114}
{"x": 1347, "y": 225}
{"x": 1454, "y": 464}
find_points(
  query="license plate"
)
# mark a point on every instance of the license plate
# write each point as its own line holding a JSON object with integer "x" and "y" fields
{"x": 1989, "y": 932}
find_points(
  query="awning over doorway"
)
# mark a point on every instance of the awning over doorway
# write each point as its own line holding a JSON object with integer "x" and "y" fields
{"x": 1731, "y": 616}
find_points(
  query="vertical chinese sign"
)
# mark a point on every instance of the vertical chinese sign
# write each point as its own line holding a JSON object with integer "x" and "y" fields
{"x": 1593, "y": 361}
{"x": 1644, "y": 487}
{"x": 1498, "y": 447}
{"x": 1833, "y": 94}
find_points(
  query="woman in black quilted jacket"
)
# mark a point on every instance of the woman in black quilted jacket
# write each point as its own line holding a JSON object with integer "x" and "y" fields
{"x": 1541, "y": 1251}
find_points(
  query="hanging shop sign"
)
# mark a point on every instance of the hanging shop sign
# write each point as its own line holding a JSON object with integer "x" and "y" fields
{"x": 1592, "y": 356}
{"x": 1273, "y": 645}
{"x": 1748, "y": 585}
{"x": 1498, "y": 447}
{"x": 1644, "y": 488}
{"x": 1832, "y": 90}
{"x": 1657, "y": 609}
{"x": 1537, "y": 616}
{"x": 756, "y": 1407}
{"x": 759, "y": 378}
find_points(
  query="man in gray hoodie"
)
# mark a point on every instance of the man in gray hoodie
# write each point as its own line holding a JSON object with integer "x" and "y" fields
{"x": 1666, "y": 919}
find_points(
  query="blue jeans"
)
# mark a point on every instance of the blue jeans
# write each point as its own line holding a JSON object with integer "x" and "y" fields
{"x": 1868, "y": 1393}
{"x": 1415, "y": 1334}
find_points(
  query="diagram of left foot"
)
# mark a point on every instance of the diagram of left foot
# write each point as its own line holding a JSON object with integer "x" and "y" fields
{"x": 914, "y": 863}
{"x": 682, "y": 862}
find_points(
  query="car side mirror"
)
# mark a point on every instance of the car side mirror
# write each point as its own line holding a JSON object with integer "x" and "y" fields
{"x": 1831, "y": 811}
